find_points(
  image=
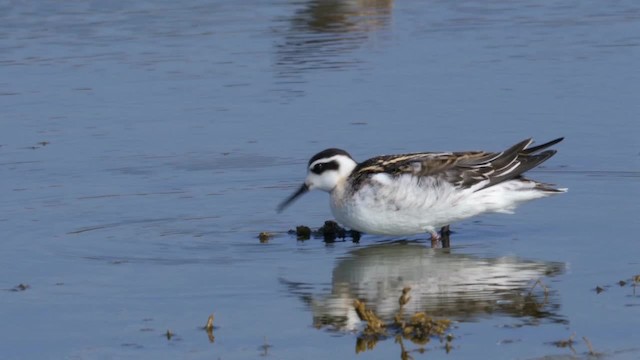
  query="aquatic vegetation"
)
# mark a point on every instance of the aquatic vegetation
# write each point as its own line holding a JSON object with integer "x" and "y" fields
{"x": 566, "y": 343}
{"x": 375, "y": 326}
{"x": 209, "y": 328}
{"x": 570, "y": 343}
{"x": 633, "y": 282}
{"x": 418, "y": 328}
{"x": 264, "y": 237}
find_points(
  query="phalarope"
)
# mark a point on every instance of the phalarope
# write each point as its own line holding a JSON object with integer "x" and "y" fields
{"x": 409, "y": 194}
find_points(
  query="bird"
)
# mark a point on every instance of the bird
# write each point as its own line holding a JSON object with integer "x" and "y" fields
{"x": 418, "y": 193}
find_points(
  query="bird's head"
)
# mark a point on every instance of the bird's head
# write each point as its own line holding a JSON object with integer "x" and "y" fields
{"x": 325, "y": 171}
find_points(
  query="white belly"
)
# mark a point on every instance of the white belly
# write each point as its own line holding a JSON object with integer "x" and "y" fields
{"x": 406, "y": 206}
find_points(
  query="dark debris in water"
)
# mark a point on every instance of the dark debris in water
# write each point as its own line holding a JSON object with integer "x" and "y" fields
{"x": 329, "y": 232}
{"x": 566, "y": 343}
{"x": 39, "y": 145}
{"x": 264, "y": 348}
{"x": 633, "y": 282}
{"x": 20, "y": 287}
{"x": 303, "y": 232}
{"x": 570, "y": 343}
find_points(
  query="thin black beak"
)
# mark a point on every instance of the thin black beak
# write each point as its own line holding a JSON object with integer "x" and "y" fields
{"x": 303, "y": 189}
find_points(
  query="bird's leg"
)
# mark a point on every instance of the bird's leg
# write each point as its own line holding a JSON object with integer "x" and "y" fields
{"x": 434, "y": 238}
{"x": 445, "y": 232}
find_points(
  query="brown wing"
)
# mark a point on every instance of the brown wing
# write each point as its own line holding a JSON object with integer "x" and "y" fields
{"x": 463, "y": 169}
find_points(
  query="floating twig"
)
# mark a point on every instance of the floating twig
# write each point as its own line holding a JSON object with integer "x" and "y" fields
{"x": 590, "y": 346}
{"x": 209, "y": 328}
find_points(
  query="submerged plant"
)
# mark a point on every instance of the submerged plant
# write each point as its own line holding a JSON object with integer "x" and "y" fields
{"x": 418, "y": 328}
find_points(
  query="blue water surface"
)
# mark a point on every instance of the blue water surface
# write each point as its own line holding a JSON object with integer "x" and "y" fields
{"x": 144, "y": 145}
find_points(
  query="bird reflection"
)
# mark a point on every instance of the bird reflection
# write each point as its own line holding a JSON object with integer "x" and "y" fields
{"x": 323, "y": 30}
{"x": 343, "y": 15}
{"x": 456, "y": 286}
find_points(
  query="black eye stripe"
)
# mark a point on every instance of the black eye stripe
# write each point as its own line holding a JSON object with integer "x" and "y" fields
{"x": 319, "y": 168}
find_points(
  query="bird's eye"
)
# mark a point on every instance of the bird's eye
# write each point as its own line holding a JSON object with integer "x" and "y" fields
{"x": 322, "y": 167}
{"x": 319, "y": 168}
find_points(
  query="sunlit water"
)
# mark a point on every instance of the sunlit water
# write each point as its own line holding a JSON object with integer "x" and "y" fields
{"x": 143, "y": 147}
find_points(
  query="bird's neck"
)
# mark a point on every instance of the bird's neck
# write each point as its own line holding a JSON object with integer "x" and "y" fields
{"x": 347, "y": 167}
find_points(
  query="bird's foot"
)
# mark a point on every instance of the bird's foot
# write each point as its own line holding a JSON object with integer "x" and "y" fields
{"x": 442, "y": 237}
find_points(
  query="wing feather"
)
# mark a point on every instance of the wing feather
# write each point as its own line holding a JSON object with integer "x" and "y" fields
{"x": 463, "y": 169}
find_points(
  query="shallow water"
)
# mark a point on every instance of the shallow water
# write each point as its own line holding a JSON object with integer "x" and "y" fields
{"x": 144, "y": 146}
